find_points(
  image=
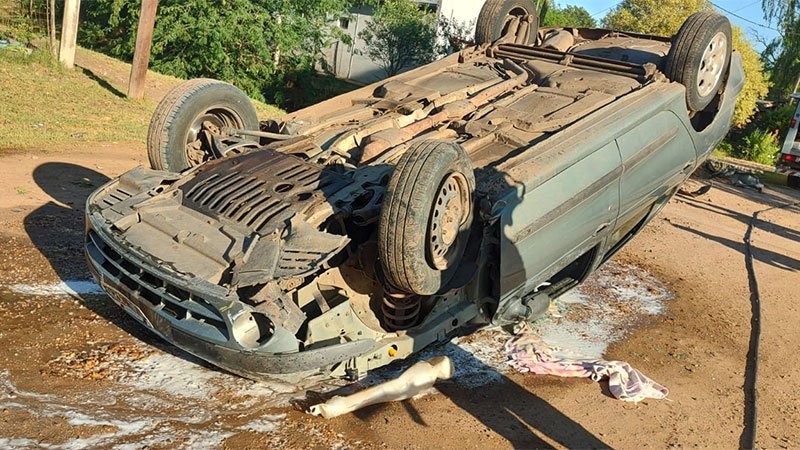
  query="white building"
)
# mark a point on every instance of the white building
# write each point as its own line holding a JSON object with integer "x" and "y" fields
{"x": 349, "y": 62}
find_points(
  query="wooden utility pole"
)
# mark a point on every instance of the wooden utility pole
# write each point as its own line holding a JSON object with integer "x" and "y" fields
{"x": 69, "y": 33}
{"x": 141, "y": 55}
{"x": 51, "y": 26}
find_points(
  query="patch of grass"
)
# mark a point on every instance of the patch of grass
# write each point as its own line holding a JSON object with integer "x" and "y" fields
{"x": 46, "y": 104}
{"x": 266, "y": 111}
{"x": 43, "y": 104}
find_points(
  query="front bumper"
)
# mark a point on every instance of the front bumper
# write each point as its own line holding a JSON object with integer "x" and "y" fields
{"x": 197, "y": 316}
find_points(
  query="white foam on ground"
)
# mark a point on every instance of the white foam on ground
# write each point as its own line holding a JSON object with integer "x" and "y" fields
{"x": 20, "y": 443}
{"x": 136, "y": 427}
{"x": 174, "y": 401}
{"x": 591, "y": 317}
{"x": 188, "y": 378}
{"x": 173, "y": 375}
{"x": 206, "y": 439}
{"x": 68, "y": 287}
{"x": 604, "y": 309}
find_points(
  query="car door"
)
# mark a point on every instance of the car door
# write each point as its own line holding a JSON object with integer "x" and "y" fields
{"x": 657, "y": 156}
{"x": 552, "y": 225}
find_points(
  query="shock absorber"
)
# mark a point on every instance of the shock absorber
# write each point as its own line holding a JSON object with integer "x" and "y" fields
{"x": 400, "y": 310}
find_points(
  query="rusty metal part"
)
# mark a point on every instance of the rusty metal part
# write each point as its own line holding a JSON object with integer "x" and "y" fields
{"x": 400, "y": 310}
{"x": 304, "y": 250}
{"x": 455, "y": 107}
{"x": 521, "y": 52}
{"x": 203, "y": 127}
{"x": 259, "y": 190}
{"x": 561, "y": 40}
{"x": 264, "y": 134}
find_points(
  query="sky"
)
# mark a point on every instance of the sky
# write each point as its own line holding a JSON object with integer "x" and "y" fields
{"x": 749, "y": 9}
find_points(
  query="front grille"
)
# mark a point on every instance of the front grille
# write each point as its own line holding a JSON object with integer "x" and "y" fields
{"x": 259, "y": 190}
{"x": 198, "y": 314}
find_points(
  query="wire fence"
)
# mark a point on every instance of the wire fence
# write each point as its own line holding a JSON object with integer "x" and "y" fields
{"x": 26, "y": 20}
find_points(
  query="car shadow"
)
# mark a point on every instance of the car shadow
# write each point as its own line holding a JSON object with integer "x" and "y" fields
{"x": 507, "y": 408}
{"x": 521, "y": 417}
{"x": 760, "y": 254}
{"x": 56, "y": 229}
{"x": 769, "y": 199}
{"x": 779, "y": 230}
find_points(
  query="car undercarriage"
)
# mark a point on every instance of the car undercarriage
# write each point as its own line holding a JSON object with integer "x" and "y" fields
{"x": 284, "y": 251}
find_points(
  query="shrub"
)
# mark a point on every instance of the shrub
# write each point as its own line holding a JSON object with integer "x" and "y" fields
{"x": 760, "y": 146}
{"x": 776, "y": 119}
{"x": 400, "y": 35}
{"x": 252, "y": 44}
{"x": 725, "y": 148}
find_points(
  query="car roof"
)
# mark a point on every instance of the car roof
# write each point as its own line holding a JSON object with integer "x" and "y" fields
{"x": 796, "y": 95}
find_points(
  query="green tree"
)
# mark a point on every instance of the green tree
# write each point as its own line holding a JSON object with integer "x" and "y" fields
{"x": 782, "y": 55}
{"x": 401, "y": 34}
{"x": 665, "y": 17}
{"x": 248, "y": 43}
{"x": 568, "y": 16}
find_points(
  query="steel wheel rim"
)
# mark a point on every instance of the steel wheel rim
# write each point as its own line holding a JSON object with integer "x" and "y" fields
{"x": 451, "y": 211}
{"x": 216, "y": 117}
{"x": 712, "y": 64}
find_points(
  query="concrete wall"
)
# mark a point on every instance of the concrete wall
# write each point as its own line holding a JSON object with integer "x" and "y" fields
{"x": 461, "y": 10}
{"x": 348, "y": 62}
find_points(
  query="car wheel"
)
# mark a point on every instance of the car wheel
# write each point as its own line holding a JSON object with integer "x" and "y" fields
{"x": 176, "y": 141}
{"x": 496, "y": 16}
{"x": 700, "y": 56}
{"x": 426, "y": 217}
{"x": 793, "y": 181}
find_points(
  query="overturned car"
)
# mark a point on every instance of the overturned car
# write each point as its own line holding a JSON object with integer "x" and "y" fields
{"x": 467, "y": 192}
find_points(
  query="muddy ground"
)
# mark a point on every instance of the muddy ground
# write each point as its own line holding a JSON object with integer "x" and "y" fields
{"x": 76, "y": 372}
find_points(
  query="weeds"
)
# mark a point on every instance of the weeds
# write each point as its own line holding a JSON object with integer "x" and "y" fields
{"x": 760, "y": 146}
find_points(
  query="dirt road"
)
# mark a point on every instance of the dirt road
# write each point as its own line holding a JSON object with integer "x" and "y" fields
{"x": 76, "y": 372}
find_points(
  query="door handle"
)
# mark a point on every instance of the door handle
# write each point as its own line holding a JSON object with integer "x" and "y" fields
{"x": 688, "y": 167}
{"x": 602, "y": 227}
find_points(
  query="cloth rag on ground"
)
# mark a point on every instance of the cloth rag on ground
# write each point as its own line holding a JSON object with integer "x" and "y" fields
{"x": 528, "y": 353}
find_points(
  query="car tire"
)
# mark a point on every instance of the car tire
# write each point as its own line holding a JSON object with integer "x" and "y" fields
{"x": 700, "y": 56}
{"x": 426, "y": 217}
{"x": 793, "y": 181}
{"x": 495, "y": 15}
{"x": 176, "y": 121}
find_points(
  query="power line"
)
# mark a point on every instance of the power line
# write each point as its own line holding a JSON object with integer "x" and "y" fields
{"x": 601, "y": 12}
{"x": 745, "y": 19}
{"x": 747, "y": 6}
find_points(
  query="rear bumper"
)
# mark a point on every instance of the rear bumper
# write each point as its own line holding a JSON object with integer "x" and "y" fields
{"x": 197, "y": 316}
{"x": 792, "y": 171}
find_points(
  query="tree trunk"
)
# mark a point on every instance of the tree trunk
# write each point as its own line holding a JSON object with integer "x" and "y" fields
{"x": 141, "y": 54}
{"x": 69, "y": 33}
{"x": 51, "y": 26}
